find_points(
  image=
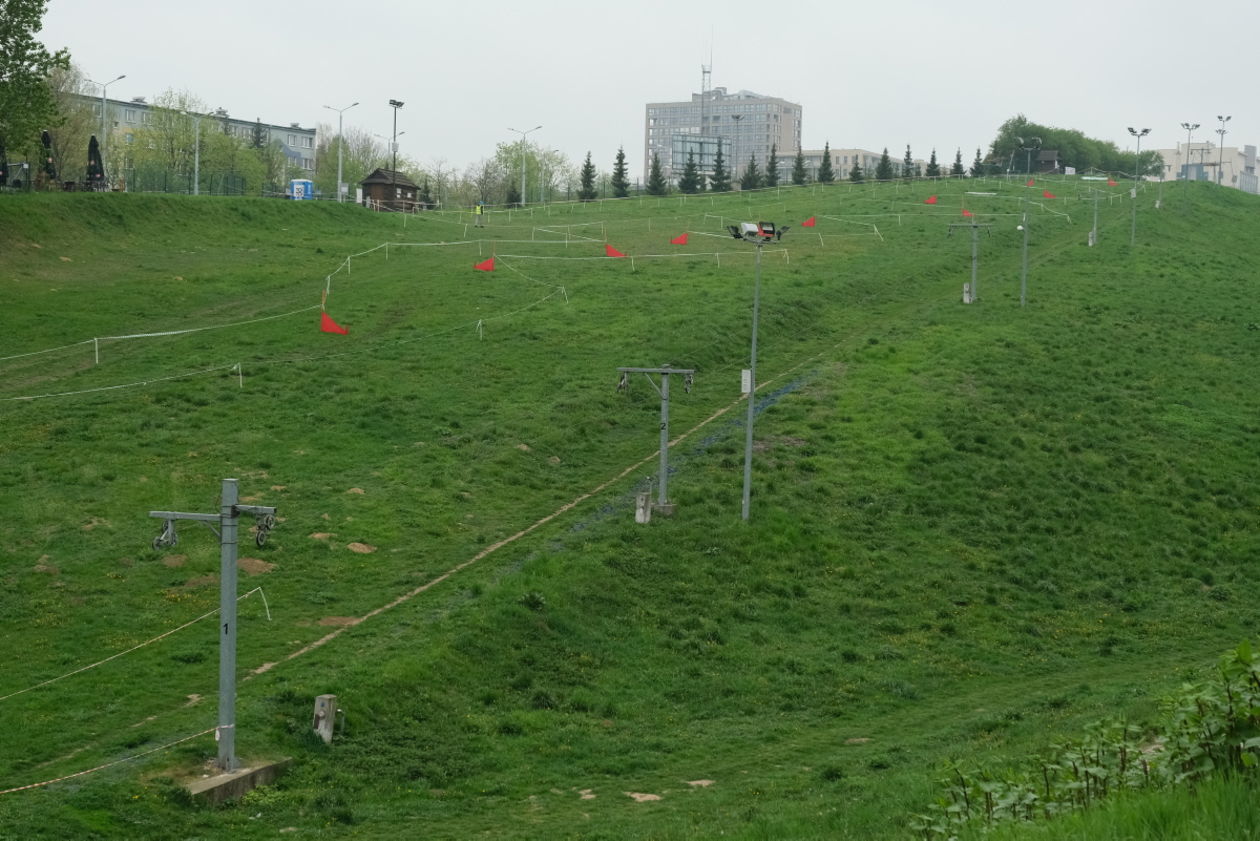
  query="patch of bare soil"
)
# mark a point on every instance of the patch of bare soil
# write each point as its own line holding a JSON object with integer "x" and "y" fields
{"x": 361, "y": 548}
{"x": 338, "y": 621}
{"x": 642, "y": 798}
{"x": 254, "y": 566}
{"x": 174, "y": 560}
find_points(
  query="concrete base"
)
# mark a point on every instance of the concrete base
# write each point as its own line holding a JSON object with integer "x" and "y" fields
{"x": 664, "y": 509}
{"x": 221, "y": 787}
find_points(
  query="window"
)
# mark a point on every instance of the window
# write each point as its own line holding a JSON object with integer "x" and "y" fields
{"x": 308, "y": 142}
{"x": 130, "y": 115}
{"x": 292, "y": 140}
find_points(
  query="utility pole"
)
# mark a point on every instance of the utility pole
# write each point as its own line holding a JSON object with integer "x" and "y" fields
{"x": 229, "y": 512}
{"x": 1023, "y": 274}
{"x": 662, "y": 499}
{"x": 1093, "y": 235}
{"x": 975, "y": 251}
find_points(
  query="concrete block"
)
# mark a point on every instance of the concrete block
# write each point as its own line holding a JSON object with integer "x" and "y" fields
{"x": 223, "y": 787}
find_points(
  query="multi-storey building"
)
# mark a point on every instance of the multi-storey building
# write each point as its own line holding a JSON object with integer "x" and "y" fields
{"x": 1232, "y": 166}
{"x": 125, "y": 118}
{"x": 743, "y": 125}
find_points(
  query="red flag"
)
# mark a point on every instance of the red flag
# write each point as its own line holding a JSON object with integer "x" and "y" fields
{"x": 809, "y": 223}
{"x": 1046, "y": 194}
{"x": 1111, "y": 183}
{"x": 609, "y": 251}
{"x": 1029, "y": 182}
{"x": 485, "y": 265}
{"x": 327, "y": 325}
{"x": 681, "y": 239}
{"x": 930, "y": 200}
{"x": 967, "y": 212}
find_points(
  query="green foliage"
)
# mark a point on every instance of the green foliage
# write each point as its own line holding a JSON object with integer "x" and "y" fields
{"x": 798, "y": 169}
{"x": 772, "y": 167}
{"x": 933, "y": 168}
{"x": 690, "y": 180}
{"x": 957, "y": 170}
{"x": 855, "y": 172}
{"x": 1074, "y": 148}
{"x": 908, "y": 168}
{"x": 977, "y": 166}
{"x": 26, "y": 100}
{"x": 884, "y": 169}
{"x": 720, "y": 180}
{"x": 620, "y": 178}
{"x": 751, "y": 179}
{"x": 826, "y": 174}
{"x": 1208, "y": 728}
{"x": 586, "y": 190}
{"x": 656, "y": 184}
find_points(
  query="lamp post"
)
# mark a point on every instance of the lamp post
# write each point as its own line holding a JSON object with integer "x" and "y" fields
{"x": 1032, "y": 145}
{"x": 105, "y": 87}
{"x": 341, "y": 142}
{"x": 197, "y": 156}
{"x": 1137, "y": 168}
{"x": 523, "y": 135}
{"x": 1189, "y": 127}
{"x": 395, "y": 104}
{"x": 1220, "y": 162}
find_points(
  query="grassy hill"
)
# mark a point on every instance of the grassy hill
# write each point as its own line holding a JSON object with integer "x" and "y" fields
{"x": 973, "y": 527}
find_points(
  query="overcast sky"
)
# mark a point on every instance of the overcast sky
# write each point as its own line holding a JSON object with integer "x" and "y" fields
{"x": 868, "y": 75}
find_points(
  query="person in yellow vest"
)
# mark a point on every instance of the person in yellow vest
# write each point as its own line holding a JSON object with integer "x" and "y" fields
{"x": 479, "y": 215}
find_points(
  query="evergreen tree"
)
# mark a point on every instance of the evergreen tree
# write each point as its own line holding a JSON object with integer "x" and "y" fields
{"x": 772, "y": 166}
{"x": 586, "y": 188}
{"x": 825, "y": 173}
{"x": 933, "y": 168}
{"x": 884, "y": 169}
{"x": 977, "y": 168}
{"x": 957, "y": 171}
{"x": 751, "y": 179}
{"x": 656, "y": 185}
{"x": 720, "y": 181}
{"x": 425, "y": 198}
{"x": 907, "y": 166}
{"x": 690, "y": 181}
{"x": 513, "y": 197}
{"x": 855, "y": 174}
{"x": 798, "y": 169}
{"x": 260, "y": 135}
{"x": 620, "y": 180}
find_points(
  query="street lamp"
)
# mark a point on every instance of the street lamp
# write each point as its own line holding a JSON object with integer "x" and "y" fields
{"x": 1220, "y": 163}
{"x": 1189, "y": 127}
{"x": 758, "y": 233}
{"x": 341, "y": 142}
{"x": 1032, "y": 145}
{"x": 523, "y": 134}
{"x": 104, "y": 87}
{"x": 1137, "y": 168}
{"x": 395, "y": 104}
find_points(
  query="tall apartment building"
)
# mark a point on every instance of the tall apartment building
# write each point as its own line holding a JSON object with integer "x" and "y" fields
{"x": 1232, "y": 166}
{"x": 744, "y": 125}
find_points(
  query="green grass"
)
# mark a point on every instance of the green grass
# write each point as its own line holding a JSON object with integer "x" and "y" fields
{"x": 973, "y": 527}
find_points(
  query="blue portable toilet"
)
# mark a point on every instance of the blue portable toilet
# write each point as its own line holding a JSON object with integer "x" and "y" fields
{"x": 302, "y": 189}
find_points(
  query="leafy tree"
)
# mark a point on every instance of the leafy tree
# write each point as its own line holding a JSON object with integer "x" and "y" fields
{"x": 751, "y": 179}
{"x": 855, "y": 174}
{"x": 772, "y": 166}
{"x": 425, "y": 198}
{"x": 656, "y": 185}
{"x": 977, "y": 166}
{"x": 690, "y": 181}
{"x": 620, "y": 180}
{"x": 957, "y": 169}
{"x": 933, "y": 168}
{"x": 798, "y": 169}
{"x": 907, "y": 166}
{"x": 26, "y": 101}
{"x": 1073, "y": 147}
{"x": 884, "y": 169}
{"x": 825, "y": 173}
{"x": 586, "y": 192}
{"x": 512, "y": 198}
{"x": 720, "y": 180}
